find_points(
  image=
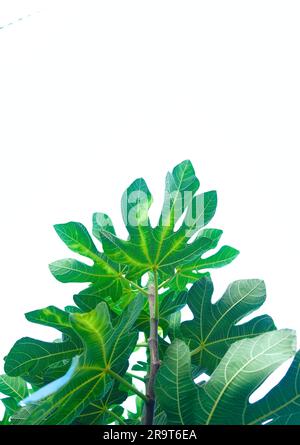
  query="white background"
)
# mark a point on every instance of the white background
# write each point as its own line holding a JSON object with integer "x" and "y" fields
{"x": 95, "y": 94}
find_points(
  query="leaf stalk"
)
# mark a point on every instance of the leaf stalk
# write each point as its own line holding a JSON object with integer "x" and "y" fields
{"x": 127, "y": 384}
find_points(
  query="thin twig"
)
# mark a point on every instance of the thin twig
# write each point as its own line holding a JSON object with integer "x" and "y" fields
{"x": 164, "y": 283}
{"x": 137, "y": 287}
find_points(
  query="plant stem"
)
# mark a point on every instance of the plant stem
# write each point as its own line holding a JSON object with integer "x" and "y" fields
{"x": 153, "y": 349}
{"x": 164, "y": 283}
{"x": 127, "y": 384}
{"x": 136, "y": 376}
{"x": 138, "y": 287}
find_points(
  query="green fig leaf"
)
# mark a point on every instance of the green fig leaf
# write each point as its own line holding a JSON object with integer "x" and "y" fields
{"x": 162, "y": 248}
{"x": 224, "y": 399}
{"x": 214, "y": 326}
{"x": 107, "y": 349}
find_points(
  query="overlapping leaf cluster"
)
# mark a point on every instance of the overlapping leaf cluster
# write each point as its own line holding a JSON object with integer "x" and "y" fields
{"x": 84, "y": 376}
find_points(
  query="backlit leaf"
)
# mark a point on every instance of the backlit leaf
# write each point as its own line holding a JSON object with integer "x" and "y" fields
{"x": 214, "y": 326}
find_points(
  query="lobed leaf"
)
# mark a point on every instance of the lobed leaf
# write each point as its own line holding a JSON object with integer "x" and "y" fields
{"x": 224, "y": 399}
{"x": 282, "y": 403}
{"x": 105, "y": 277}
{"x": 214, "y": 326}
{"x": 107, "y": 348}
{"x": 162, "y": 248}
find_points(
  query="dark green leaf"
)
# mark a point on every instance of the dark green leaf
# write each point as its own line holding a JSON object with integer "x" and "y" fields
{"x": 100, "y": 412}
{"x": 14, "y": 387}
{"x": 30, "y": 357}
{"x": 11, "y": 406}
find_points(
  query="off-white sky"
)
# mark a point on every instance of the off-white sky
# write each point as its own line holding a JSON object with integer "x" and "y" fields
{"x": 95, "y": 94}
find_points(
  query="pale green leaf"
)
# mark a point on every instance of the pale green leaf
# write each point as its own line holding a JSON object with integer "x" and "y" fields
{"x": 224, "y": 399}
{"x": 214, "y": 326}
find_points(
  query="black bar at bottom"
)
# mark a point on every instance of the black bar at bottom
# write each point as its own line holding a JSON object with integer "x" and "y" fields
{"x": 136, "y": 434}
